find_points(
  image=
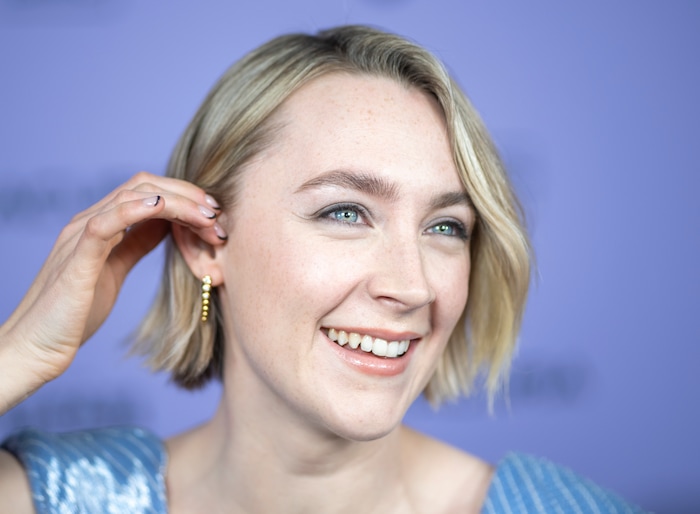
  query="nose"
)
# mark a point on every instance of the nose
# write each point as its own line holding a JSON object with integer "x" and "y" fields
{"x": 399, "y": 277}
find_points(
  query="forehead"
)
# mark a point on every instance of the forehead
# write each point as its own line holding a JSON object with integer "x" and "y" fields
{"x": 339, "y": 103}
{"x": 368, "y": 123}
{"x": 352, "y": 95}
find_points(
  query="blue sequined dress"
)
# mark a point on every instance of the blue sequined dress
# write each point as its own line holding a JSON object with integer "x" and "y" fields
{"x": 122, "y": 470}
{"x": 116, "y": 470}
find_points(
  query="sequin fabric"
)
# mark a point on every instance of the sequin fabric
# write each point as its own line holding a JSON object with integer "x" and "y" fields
{"x": 113, "y": 471}
{"x": 528, "y": 485}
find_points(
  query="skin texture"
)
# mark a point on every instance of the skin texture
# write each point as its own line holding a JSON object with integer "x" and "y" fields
{"x": 15, "y": 495}
{"x": 353, "y": 220}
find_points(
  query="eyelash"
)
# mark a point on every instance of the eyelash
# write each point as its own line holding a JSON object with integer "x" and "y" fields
{"x": 327, "y": 212}
{"x": 460, "y": 231}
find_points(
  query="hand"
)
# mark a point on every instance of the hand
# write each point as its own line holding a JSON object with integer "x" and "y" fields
{"x": 79, "y": 282}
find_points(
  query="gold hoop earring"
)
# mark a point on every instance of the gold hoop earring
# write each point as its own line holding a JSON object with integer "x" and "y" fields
{"x": 206, "y": 295}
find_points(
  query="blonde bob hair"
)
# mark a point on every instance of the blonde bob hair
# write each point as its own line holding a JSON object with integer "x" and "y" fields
{"x": 236, "y": 121}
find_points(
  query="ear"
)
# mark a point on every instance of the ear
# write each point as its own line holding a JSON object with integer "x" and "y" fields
{"x": 200, "y": 256}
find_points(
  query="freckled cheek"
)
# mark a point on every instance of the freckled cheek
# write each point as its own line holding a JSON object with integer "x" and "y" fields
{"x": 269, "y": 304}
{"x": 322, "y": 274}
{"x": 298, "y": 277}
{"x": 452, "y": 291}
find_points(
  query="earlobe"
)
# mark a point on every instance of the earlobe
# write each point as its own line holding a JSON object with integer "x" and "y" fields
{"x": 200, "y": 256}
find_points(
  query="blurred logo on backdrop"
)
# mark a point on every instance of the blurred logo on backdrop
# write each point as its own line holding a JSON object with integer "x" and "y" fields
{"x": 542, "y": 381}
{"x": 52, "y": 196}
{"x": 61, "y": 413}
{"x": 549, "y": 380}
{"x": 61, "y": 12}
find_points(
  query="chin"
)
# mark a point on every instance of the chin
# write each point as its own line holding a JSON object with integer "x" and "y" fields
{"x": 365, "y": 419}
{"x": 364, "y": 433}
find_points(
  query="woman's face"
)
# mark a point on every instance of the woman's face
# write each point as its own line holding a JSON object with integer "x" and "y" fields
{"x": 352, "y": 226}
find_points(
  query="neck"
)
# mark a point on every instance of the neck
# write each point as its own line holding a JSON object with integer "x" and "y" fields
{"x": 248, "y": 449}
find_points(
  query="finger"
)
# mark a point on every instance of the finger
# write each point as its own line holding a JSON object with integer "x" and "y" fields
{"x": 174, "y": 185}
{"x": 129, "y": 209}
{"x": 147, "y": 233}
{"x": 90, "y": 240}
{"x": 182, "y": 209}
{"x": 106, "y": 229}
{"x": 138, "y": 207}
{"x": 114, "y": 199}
{"x": 197, "y": 217}
{"x": 147, "y": 182}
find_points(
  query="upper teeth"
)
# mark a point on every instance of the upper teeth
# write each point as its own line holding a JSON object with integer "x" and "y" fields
{"x": 377, "y": 346}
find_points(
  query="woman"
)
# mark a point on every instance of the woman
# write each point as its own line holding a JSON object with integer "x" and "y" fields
{"x": 336, "y": 218}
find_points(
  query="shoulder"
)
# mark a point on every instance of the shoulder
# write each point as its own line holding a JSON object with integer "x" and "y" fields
{"x": 90, "y": 471}
{"x": 524, "y": 483}
{"x": 15, "y": 494}
{"x": 443, "y": 478}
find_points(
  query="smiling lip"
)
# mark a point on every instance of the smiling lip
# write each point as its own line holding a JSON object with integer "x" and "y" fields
{"x": 369, "y": 363}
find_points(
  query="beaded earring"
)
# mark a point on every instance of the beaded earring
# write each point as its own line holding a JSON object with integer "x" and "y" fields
{"x": 206, "y": 295}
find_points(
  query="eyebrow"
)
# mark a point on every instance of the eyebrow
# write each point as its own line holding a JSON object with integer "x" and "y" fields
{"x": 379, "y": 187}
{"x": 359, "y": 181}
{"x": 453, "y": 198}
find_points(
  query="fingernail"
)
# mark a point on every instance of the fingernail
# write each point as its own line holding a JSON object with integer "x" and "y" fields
{"x": 208, "y": 213}
{"x": 152, "y": 202}
{"x": 210, "y": 200}
{"x": 220, "y": 233}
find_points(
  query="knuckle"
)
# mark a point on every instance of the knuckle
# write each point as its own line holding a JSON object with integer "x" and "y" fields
{"x": 142, "y": 176}
{"x": 138, "y": 179}
{"x": 125, "y": 195}
{"x": 122, "y": 196}
{"x": 146, "y": 186}
{"x": 93, "y": 226}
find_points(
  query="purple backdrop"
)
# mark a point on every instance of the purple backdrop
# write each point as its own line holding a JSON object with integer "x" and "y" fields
{"x": 594, "y": 107}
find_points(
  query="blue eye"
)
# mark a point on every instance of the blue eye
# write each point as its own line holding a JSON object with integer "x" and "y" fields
{"x": 345, "y": 215}
{"x": 450, "y": 229}
{"x": 350, "y": 214}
